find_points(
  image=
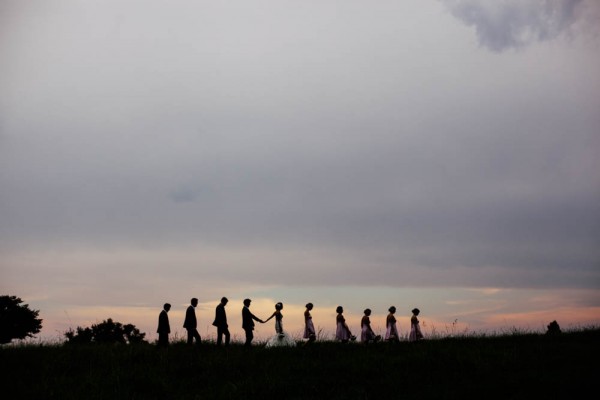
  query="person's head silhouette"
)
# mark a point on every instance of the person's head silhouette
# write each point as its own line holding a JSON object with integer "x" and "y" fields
{"x": 309, "y": 306}
{"x": 392, "y": 309}
{"x": 279, "y": 306}
{"x": 166, "y": 307}
{"x": 224, "y": 300}
{"x": 339, "y": 309}
{"x": 194, "y": 302}
{"x": 247, "y": 302}
{"x": 367, "y": 312}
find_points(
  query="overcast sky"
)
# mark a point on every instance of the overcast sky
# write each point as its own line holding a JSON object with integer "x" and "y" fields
{"x": 152, "y": 151}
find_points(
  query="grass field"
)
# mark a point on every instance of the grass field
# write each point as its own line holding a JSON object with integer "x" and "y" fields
{"x": 510, "y": 366}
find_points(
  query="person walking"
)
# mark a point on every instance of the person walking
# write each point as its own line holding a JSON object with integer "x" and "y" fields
{"x": 342, "y": 332}
{"x": 309, "y": 327}
{"x": 163, "y": 326}
{"x": 281, "y": 338}
{"x": 190, "y": 323}
{"x": 415, "y": 330}
{"x": 391, "y": 333}
{"x": 367, "y": 335}
{"x": 248, "y": 322}
{"x": 221, "y": 322}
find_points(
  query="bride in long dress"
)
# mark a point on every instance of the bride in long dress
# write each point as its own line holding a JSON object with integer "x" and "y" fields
{"x": 281, "y": 338}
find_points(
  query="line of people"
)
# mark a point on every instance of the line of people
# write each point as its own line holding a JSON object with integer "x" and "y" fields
{"x": 391, "y": 333}
{"x": 281, "y": 338}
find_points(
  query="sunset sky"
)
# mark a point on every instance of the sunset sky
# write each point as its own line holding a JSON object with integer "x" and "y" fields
{"x": 439, "y": 154}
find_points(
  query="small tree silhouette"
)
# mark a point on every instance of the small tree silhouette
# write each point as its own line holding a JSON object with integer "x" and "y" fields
{"x": 17, "y": 321}
{"x": 81, "y": 335}
{"x": 553, "y": 328}
{"x": 108, "y": 331}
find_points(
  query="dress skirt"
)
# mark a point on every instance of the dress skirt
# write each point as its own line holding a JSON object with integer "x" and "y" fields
{"x": 309, "y": 329}
{"x": 415, "y": 333}
{"x": 281, "y": 339}
{"x": 366, "y": 334}
{"x": 392, "y": 332}
{"x": 341, "y": 332}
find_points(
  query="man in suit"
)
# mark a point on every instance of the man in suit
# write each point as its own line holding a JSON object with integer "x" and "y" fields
{"x": 221, "y": 322}
{"x": 248, "y": 322}
{"x": 191, "y": 324}
{"x": 163, "y": 326}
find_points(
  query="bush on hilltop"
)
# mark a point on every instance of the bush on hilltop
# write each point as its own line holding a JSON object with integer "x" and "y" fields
{"x": 107, "y": 331}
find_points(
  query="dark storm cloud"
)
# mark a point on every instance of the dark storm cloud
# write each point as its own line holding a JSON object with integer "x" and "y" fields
{"x": 505, "y": 24}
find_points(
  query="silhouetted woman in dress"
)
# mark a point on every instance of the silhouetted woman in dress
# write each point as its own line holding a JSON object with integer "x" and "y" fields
{"x": 309, "y": 328}
{"x": 367, "y": 335}
{"x": 415, "y": 330}
{"x": 391, "y": 333}
{"x": 342, "y": 332}
{"x": 281, "y": 338}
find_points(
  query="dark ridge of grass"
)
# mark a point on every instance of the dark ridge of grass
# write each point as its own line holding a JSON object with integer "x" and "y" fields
{"x": 515, "y": 366}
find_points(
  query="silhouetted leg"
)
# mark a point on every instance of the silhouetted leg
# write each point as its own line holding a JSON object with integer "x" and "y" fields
{"x": 193, "y": 334}
{"x": 249, "y": 337}
{"x": 197, "y": 336}
{"x": 219, "y": 335}
{"x": 227, "y": 336}
{"x": 163, "y": 339}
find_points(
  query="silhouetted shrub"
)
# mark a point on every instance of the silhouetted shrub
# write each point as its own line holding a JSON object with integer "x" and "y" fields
{"x": 107, "y": 331}
{"x": 553, "y": 328}
{"x": 17, "y": 321}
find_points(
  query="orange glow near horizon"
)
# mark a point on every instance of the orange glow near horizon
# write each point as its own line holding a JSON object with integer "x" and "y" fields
{"x": 433, "y": 325}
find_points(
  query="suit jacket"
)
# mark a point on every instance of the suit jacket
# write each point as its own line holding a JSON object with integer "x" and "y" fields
{"x": 163, "y": 323}
{"x": 247, "y": 319}
{"x": 220, "y": 317}
{"x": 190, "y": 318}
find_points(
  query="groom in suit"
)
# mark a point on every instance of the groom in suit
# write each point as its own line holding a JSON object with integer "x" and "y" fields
{"x": 163, "y": 326}
{"x": 248, "y": 322}
{"x": 221, "y": 322}
{"x": 190, "y": 323}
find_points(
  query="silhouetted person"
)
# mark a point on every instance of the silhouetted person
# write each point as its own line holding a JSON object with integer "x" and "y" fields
{"x": 281, "y": 338}
{"x": 391, "y": 330}
{"x": 415, "y": 331}
{"x": 367, "y": 335}
{"x": 342, "y": 332}
{"x": 191, "y": 324}
{"x": 248, "y": 322}
{"x": 309, "y": 327}
{"x": 221, "y": 322}
{"x": 163, "y": 326}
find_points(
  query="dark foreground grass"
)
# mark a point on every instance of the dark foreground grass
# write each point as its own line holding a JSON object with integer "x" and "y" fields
{"x": 527, "y": 366}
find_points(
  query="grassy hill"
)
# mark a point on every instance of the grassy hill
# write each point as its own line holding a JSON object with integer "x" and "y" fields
{"x": 515, "y": 366}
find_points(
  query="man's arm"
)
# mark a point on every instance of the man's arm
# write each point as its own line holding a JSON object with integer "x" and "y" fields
{"x": 254, "y": 317}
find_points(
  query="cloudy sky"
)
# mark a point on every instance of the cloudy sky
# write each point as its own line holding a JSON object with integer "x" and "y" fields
{"x": 442, "y": 154}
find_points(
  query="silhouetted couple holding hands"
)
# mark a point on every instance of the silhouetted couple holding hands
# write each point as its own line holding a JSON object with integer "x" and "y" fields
{"x": 191, "y": 323}
{"x": 247, "y": 322}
